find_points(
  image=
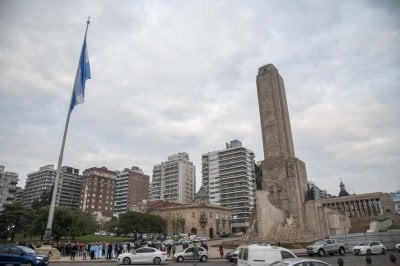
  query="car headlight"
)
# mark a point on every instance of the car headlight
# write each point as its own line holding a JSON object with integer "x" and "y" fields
{"x": 39, "y": 258}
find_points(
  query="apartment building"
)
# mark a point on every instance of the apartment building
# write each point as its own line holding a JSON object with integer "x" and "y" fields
{"x": 132, "y": 186}
{"x": 174, "y": 180}
{"x": 37, "y": 183}
{"x": 69, "y": 188}
{"x": 229, "y": 178}
{"x": 8, "y": 186}
{"x": 97, "y": 192}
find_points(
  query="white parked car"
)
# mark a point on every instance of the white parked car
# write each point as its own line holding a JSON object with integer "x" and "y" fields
{"x": 398, "y": 247}
{"x": 300, "y": 261}
{"x": 143, "y": 255}
{"x": 187, "y": 254}
{"x": 369, "y": 247}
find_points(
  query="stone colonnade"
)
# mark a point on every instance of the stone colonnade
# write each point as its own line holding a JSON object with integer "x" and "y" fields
{"x": 357, "y": 208}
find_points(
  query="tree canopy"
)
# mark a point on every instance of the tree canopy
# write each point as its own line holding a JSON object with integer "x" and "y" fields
{"x": 140, "y": 222}
{"x": 66, "y": 223}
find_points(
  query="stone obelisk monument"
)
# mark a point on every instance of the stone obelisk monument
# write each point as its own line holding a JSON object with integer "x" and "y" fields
{"x": 283, "y": 175}
{"x": 282, "y": 213}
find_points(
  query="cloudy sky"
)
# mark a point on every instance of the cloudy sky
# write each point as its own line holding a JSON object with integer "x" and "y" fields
{"x": 179, "y": 76}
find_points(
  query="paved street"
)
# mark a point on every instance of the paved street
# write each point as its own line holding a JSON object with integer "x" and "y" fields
{"x": 349, "y": 260}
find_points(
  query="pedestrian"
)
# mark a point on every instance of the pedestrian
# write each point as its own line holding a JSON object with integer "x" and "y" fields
{"x": 221, "y": 251}
{"x": 109, "y": 251}
{"x": 173, "y": 249}
{"x": 92, "y": 251}
{"x": 169, "y": 249}
{"x": 100, "y": 251}
{"x": 84, "y": 251}
{"x": 195, "y": 251}
{"x": 74, "y": 249}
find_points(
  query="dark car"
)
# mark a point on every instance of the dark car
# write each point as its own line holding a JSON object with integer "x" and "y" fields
{"x": 232, "y": 256}
{"x": 16, "y": 255}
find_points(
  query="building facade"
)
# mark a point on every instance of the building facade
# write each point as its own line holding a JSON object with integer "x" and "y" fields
{"x": 362, "y": 209}
{"x": 396, "y": 199}
{"x": 97, "y": 192}
{"x": 8, "y": 186}
{"x": 37, "y": 183}
{"x": 132, "y": 186}
{"x": 174, "y": 180}
{"x": 69, "y": 188}
{"x": 200, "y": 218}
{"x": 229, "y": 179}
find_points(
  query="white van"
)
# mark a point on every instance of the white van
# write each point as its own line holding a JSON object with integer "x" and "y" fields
{"x": 262, "y": 254}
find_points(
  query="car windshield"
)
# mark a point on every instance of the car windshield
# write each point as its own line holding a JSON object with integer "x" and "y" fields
{"x": 27, "y": 250}
{"x": 319, "y": 242}
{"x": 364, "y": 244}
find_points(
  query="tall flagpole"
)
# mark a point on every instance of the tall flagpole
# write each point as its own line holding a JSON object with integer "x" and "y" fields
{"x": 48, "y": 231}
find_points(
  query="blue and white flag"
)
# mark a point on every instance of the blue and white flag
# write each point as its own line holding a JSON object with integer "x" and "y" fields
{"x": 82, "y": 74}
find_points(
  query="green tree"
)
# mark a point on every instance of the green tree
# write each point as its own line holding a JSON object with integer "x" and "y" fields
{"x": 66, "y": 223}
{"x": 111, "y": 226}
{"x": 15, "y": 219}
{"x": 141, "y": 222}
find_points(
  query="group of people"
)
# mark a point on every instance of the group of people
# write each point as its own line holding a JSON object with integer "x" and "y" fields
{"x": 108, "y": 251}
{"x": 93, "y": 250}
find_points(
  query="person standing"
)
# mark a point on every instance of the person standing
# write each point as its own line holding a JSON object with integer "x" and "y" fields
{"x": 74, "y": 250}
{"x": 221, "y": 251}
{"x": 173, "y": 249}
{"x": 109, "y": 251}
{"x": 84, "y": 251}
{"x": 195, "y": 251}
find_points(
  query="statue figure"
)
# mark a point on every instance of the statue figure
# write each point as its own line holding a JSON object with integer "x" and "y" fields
{"x": 290, "y": 221}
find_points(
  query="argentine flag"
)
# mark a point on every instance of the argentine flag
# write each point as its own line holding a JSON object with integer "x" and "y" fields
{"x": 82, "y": 74}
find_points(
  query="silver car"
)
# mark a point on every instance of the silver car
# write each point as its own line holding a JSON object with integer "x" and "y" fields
{"x": 300, "y": 261}
{"x": 369, "y": 247}
{"x": 187, "y": 254}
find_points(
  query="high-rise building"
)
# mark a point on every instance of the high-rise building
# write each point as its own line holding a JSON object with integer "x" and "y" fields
{"x": 229, "y": 178}
{"x": 317, "y": 191}
{"x": 8, "y": 186}
{"x": 19, "y": 192}
{"x": 174, "y": 180}
{"x": 132, "y": 187}
{"x": 37, "y": 183}
{"x": 97, "y": 191}
{"x": 69, "y": 188}
{"x": 396, "y": 199}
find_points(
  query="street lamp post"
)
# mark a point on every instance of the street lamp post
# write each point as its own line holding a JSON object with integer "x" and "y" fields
{"x": 9, "y": 229}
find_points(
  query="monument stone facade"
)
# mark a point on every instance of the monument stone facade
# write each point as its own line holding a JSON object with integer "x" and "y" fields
{"x": 282, "y": 212}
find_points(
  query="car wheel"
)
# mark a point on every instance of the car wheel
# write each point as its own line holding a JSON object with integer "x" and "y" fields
{"x": 341, "y": 251}
{"x": 179, "y": 259}
{"x": 126, "y": 260}
{"x": 157, "y": 261}
{"x": 368, "y": 252}
{"x": 383, "y": 251}
{"x": 203, "y": 258}
{"x": 321, "y": 252}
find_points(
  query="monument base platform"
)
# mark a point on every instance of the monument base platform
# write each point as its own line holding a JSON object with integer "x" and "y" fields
{"x": 50, "y": 251}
